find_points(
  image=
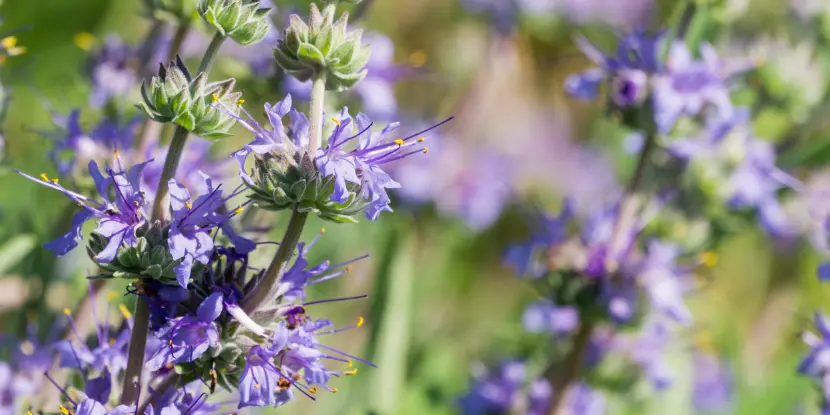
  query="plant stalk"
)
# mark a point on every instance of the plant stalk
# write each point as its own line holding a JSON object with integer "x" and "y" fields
{"x": 141, "y": 322}
{"x": 267, "y": 287}
{"x": 315, "y": 129}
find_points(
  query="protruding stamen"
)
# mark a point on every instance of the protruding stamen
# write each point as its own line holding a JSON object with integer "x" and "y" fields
{"x": 44, "y": 177}
{"x": 399, "y": 142}
{"x": 215, "y": 97}
{"x": 334, "y": 390}
{"x": 425, "y": 150}
{"x": 238, "y": 210}
{"x": 351, "y": 372}
{"x": 322, "y": 230}
{"x": 312, "y": 390}
{"x": 55, "y": 180}
{"x": 360, "y": 321}
{"x": 188, "y": 205}
{"x": 336, "y": 121}
{"x": 420, "y": 139}
{"x": 240, "y": 102}
{"x": 64, "y": 411}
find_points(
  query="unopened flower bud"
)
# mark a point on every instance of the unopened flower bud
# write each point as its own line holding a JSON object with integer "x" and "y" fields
{"x": 241, "y": 20}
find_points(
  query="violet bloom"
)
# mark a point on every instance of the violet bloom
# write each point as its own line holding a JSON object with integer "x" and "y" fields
{"x": 712, "y": 391}
{"x": 14, "y": 388}
{"x": 688, "y": 86}
{"x": 582, "y": 400}
{"x": 261, "y": 381}
{"x": 117, "y": 219}
{"x": 186, "y": 338}
{"x": 362, "y": 165}
{"x": 539, "y": 395}
{"x": 502, "y": 13}
{"x": 547, "y": 231}
{"x": 273, "y": 139}
{"x": 187, "y": 400}
{"x": 190, "y": 238}
{"x": 292, "y": 285}
{"x": 627, "y": 70}
{"x": 113, "y": 71}
{"x": 494, "y": 392}
{"x": 545, "y": 317}
{"x": 663, "y": 281}
{"x": 73, "y": 145}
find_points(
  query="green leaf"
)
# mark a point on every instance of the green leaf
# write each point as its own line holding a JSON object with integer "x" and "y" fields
{"x": 186, "y": 120}
{"x": 15, "y": 250}
{"x": 310, "y": 55}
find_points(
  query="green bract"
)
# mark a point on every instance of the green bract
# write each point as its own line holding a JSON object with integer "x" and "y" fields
{"x": 282, "y": 182}
{"x": 175, "y": 97}
{"x": 148, "y": 259}
{"x": 324, "y": 48}
{"x": 241, "y": 20}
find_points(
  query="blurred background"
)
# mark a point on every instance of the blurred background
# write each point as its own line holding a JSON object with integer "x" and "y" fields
{"x": 441, "y": 301}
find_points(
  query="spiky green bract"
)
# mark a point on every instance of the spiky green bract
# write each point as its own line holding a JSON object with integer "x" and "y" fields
{"x": 282, "y": 182}
{"x": 175, "y": 97}
{"x": 323, "y": 47}
{"x": 241, "y": 20}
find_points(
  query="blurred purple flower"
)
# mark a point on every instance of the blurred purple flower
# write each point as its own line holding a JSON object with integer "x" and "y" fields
{"x": 547, "y": 231}
{"x": 545, "y": 317}
{"x": 113, "y": 71}
{"x": 713, "y": 390}
{"x": 494, "y": 392}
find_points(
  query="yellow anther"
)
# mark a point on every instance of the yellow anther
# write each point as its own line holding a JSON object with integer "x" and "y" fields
{"x": 44, "y": 177}
{"x": 67, "y": 311}
{"x": 189, "y": 206}
{"x": 398, "y": 142}
{"x": 28, "y": 412}
{"x": 116, "y": 153}
{"x": 709, "y": 259}
{"x": 240, "y": 101}
{"x": 215, "y": 97}
{"x": 111, "y": 295}
{"x": 84, "y": 40}
{"x": 124, "y": 312}
{"x": 336, "y": 121}
{"x": 112, "y": 342}
{"x": 322, "y": 230}
{"x": 170, "y": 342}
{"x": 55, "y": 180}
{"x": 420, "y": 139}
{"x": 426, "y": 150}
{"x": 360, "y": 321}
{"x": 238, "y": 210}
{"x": 257, "y": 385}
{"x": 351, "y": 372}
{"x": 349, "y": 364}
{"x": 348, "y": 268}
{"x": 418, "y": 58}
{"x": 334, "y": 390}
{"x": 10, "y": 45}
{"x": 169, "y": 365}
{"x": 63, "y": 410}
{"x": 312, "y": 390}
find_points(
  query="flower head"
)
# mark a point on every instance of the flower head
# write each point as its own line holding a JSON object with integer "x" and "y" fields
{"x": 186, "y": 338}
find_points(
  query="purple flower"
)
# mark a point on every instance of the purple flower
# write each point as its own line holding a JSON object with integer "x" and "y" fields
{"x": 663, "y": 281}
{"x": 627, "y": 70}
{"x": 545, "y": 317}
{"x": 547, "y": 231}
{"x": 502, "y": 13}
{"x": 261, "y": 381}
{"x": 113, "y": 71}
{"x": 117, "y": 219}
{"x": 817, "y": 361}
{"x": 74, "y": 145}
{"x": 293, "y": 283}
{"x": 186, "y": 338}
{"x": 689, "y": 85}
{"x": 267, "y": 140}
{"x": 189, "y": 238}
{"x": 712, "y": 391}
{"x": 539, "y": 396}
{"x": 187, "y": 400}
{"x": 494, "y": 392}
{"x": 582, "y": 400}
{"x": 362, "y": 165}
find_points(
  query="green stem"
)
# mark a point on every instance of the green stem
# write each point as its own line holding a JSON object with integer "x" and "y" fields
{"x": 560, "y": 377}
{"x": 315, "y": 129}
{"x": 138, "y": 338}
{"x": 171, "y": 163}
{"x": 135, "y": 359}
{"x": 267, "y": 287}
{"x": 210, "y": 53}
{"x": 168, "y": 382}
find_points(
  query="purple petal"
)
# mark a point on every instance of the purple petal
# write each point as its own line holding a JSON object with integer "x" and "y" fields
{"x": 211, "y": 308}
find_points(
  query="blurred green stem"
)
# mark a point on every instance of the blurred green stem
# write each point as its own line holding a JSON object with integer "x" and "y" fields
{"x": 138, "y": 339}
{"x": 561, "y": 376}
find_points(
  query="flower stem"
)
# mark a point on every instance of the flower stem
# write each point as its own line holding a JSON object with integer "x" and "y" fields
{"x": 560, "y": 377}
{"x": 210, "y": 53}
{"x": 315, "y": 129}
{"x": 171, "y": 163}
{"x": 135, "y": 359}
{"x": 141, "y": 322}
{"x": 266, "y": 288}
{"x": 168, "y": 382}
